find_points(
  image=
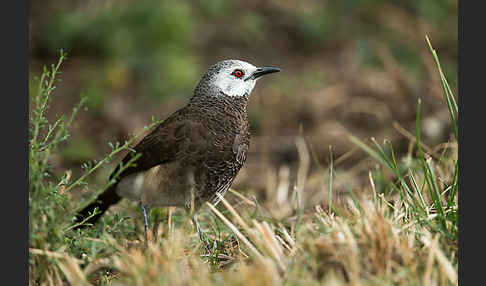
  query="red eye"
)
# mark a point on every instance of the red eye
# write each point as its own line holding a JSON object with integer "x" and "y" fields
{"x": 238, "y": 73}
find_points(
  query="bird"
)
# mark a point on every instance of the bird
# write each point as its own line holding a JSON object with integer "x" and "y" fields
{"x": 192, "y": 155}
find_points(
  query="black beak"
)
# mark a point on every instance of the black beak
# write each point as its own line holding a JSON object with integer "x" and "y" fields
{"x": 262, "y": 71}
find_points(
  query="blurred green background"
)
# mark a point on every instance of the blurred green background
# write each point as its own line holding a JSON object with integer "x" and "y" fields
{"x": 348, "y": 67}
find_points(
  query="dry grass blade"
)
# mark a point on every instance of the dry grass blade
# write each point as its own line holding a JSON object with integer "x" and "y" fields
{"x": 269, "y": 232}
{"x": 269, "y": 242}
{"x": 234, "y": 213}
{"x": 436, "y": 252}
{"x": 241, "y": 197}
{"x": 287, "y": 236}
{"x": 53, "y": 254}
{"x": 73, "y": 272}
{"x": 430, "y": 259}
{"x": 413, "y": 139}
{"x": 237, "y": 232}
{"x": 304, "y": 163}
{"x": 285, "y": 244}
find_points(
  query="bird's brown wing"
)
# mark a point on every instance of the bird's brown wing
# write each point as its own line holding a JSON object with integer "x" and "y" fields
{"x": 158, "y": 147}
{"x": 174, "y": 139}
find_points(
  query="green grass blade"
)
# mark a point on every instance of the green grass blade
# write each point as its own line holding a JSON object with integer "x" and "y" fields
{"x": 449, "y": 96}
{"x": 428, "y": 174}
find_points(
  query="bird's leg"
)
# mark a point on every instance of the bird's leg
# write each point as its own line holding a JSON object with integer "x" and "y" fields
{"x": 145, "y": 222}
{"x": 202, "y": 235}
{"x": 192, "y": 211}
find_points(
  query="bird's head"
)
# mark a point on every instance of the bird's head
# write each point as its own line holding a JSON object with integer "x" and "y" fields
{"x": 232, "y": 77}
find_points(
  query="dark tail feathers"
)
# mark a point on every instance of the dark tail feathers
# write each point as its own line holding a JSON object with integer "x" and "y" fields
{"x": 103, "y": 202}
